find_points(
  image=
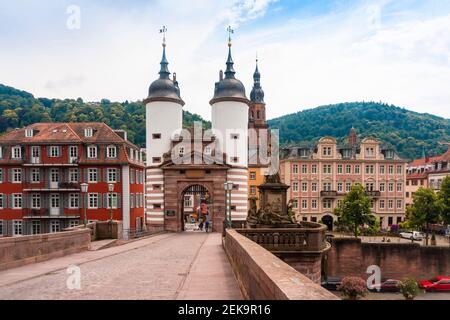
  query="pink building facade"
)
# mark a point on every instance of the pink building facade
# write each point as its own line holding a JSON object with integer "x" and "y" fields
{"x": 320, "y": 176}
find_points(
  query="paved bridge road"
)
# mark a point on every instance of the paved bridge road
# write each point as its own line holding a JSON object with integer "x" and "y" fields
{"x": 166, "y": 266}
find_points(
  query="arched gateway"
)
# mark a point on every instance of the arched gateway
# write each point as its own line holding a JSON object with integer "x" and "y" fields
{"x": 196, "y": 206}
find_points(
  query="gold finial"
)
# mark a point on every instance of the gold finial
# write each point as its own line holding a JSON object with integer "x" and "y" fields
{"x": 230, "y": 31}
{"x": 163, "y": 31}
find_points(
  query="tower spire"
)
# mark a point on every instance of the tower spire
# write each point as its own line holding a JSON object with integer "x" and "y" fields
{"x": 229, "y": 73}
{"x": 164, "y": 73}
{"x": 257, "y": 93}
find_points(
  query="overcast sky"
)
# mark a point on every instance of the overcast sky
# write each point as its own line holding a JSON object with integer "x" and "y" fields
{"x": 311, "y": 52}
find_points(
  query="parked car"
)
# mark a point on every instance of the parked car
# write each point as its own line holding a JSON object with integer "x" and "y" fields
{"x": 412, "y": 235}
{"x": 390, "y": 285}
{"x": 331, "y": 283}
{"x": 438, "y": 283}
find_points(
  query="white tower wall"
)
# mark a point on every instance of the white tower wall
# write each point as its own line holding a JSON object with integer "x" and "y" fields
{"x": 231, "y": 117}
{"x": 162, "y": 118}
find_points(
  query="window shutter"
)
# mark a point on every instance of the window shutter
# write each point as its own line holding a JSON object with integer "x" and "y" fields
{"x": 99, "y": 197}
{"x": 10, "y": 201}
{"x": 10, "y": 175}
{"x": 118, "y": 175}
{"x": 105, "y": 201}
{"x": 5, "y": 201}
{"x": 105, "y": 174}
{"x": 66, "y": 201}
{"x": 86, "y": 174}
{"x": 24, "y": 201}
{"x": 119, "y": 200}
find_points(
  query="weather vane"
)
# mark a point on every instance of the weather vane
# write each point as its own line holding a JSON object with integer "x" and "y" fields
{"x": 230, "y": 32}
{"x": 163, "y": 31}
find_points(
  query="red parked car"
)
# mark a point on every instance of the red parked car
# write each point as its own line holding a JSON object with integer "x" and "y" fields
{"x": 438, "y": 283}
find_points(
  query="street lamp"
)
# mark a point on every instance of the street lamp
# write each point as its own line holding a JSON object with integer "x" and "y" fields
{"x": 84, "y": 190}
{"x": 228, "y": 186}
{"x": 110, "y": 189}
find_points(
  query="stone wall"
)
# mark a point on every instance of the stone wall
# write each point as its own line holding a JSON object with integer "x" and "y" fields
{"x": 18, "y": 251}
{"x": 263, "y": 276}
{"x": 350, "y": 257}
{"x": 107, "y": 230}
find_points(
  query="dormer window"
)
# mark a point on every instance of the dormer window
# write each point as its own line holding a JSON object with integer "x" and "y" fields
{"x": 92, "y": 152}
{"x": 389, "y": 154}
{"x": 29, "y": 133}
{"x": 16, "y": 152}
{"x": 303, "y": 153}
{"x": 347, "y": 153}
{"x": 327, "y": 151}
{"x": 370, "y": 152}
{"x": 111, "y": 152}
{"x": 88, "y": 132}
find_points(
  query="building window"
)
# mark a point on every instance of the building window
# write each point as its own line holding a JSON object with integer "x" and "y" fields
{"x": 348, "y": 186}
{"x": 88, "y": 132}
{"x": 348, "y": 169}
{"x": 17, "y": 228}
{"x": 188, "y": 203}
{"x": 382, "y": 204}
{"x": 314, "y": 204}
{"x": 73, "y": 223}
{"x": 339, "y": 169}
{"x": 252, "y": 175}
{"x": 295, "y": 186}
{"x": 252, "y": 190}
{"x": 389, "y": 154}
{"x": 74, "y": 201}
{"x": 327, "y": 204}
{"x": 92, "y": 152}
{"x": 93, "y": 175}
{"x": 112, "y": 201}
{"x": 390, "y": 204}
{"x": 17, "y": 176}
{"x": 399, "y": 187}
{"x": 35, "y": 175}
{"x": 327, "y": 151}
{"x": 294, "y": 204}
{"x": 54, "y": 226}
{"x": 1, "y": 152}
{"x": 357, "y": 169}
{"x": 391, "y": 169}
{"x": 399, "y": 169}
{"x": 111, "y": 152}
{"x": 340, "y": 187}
{"x": 55, "y": 152}
{"x": 304, "y": 169}
{"x": 390, "y": 221}
{"x": 369, "y": 186}
{"x": 156, "y": 136}
{"x": 370, "y": 169}
{"x": 28, "y": 133}
{"x": 399, "y": 204}
{"x": 17, "y": 201}
{"x": 295, "y": 168}
{"x": 35, "y": 227}
{"x": 93, "y": 200}
{"x": 157, "y": 206}
{"x": 382, "y": 187}
{"x": 112, "y": 175}
{"x": 327, "y": 169}
{"x": 35, "y": 201}
{"x": 327, "y": 186}
{"x": 1, "y": 175}
{"x": 73, "y": 152}
{"x": 304, "y": 186}
{"x": 208, "y": 150}
{"x": 17, "y": 152}
{"x": 370, "y": 152}
{"x": 156, "y": 187}
{"x": 2, "y": 204}
{"x": 314, "y": 187}
{"x": 382, "y": 170}
{"x": 304, "y": 204}
{"x": 73, "y": 175}
{"x": 314, "y": 169}
{"x": 391, "y": 187}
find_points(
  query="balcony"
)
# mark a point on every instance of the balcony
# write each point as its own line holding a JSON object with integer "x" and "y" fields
{"x": 373, "y": 194}
{"x": 38, "y": 162}
{"x": 52, "y": 186}
{"x": 329, "y": 193}
{"x": 45, "y": 213}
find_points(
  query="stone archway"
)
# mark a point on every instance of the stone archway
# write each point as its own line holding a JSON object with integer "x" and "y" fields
{"x": 328, "y": 221}
{"x": 196, "y": 206}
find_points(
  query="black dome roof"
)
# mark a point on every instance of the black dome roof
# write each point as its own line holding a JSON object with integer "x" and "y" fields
{"x": 164, "y": 89}
{"x": 229, "y": 88}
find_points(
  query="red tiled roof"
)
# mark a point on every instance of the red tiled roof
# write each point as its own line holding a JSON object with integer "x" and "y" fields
{"x": 424, "y": 161}
{"x": 412, "y": 176}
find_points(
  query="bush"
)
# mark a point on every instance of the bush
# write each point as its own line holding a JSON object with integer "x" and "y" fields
{"x": 409, "y": 288}
{"x": 353, "y": 288}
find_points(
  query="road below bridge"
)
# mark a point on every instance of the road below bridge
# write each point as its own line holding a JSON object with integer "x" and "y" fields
{"x": 166, "y": 266}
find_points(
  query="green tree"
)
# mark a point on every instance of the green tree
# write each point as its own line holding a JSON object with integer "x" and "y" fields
{"x": 425, "y": 210}
{"x": 444, "y": 200}
{"x": 355, "y": 210}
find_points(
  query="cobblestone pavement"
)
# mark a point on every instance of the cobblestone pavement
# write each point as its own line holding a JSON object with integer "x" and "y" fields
{"x": 157, "y": 270}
